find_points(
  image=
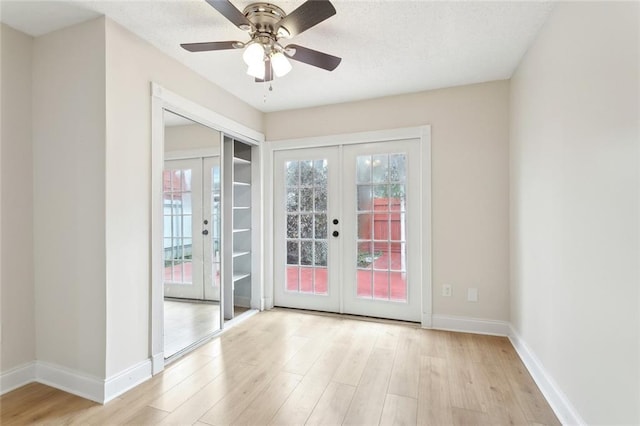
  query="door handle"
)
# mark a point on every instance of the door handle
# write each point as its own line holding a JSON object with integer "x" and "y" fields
{"x": 335, "y": 233}
{"x": 205, "y": 232}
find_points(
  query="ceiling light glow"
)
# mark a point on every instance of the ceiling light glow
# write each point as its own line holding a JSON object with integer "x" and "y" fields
{"x": 256, "y": 70}
{"x": 280, "y": 63}
{"x": 253, "y": 54}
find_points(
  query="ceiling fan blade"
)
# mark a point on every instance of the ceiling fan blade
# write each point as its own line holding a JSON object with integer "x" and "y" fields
{"x": 268, "y": 72}
{"x": 229, "y": 11}
{"x": 211, "y": 45}
{"x": 309, "y": 14}
{"x": 313, "y": 57}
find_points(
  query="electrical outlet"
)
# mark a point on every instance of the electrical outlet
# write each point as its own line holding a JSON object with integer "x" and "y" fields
{"x": 446, "y": 290}
{"x": 472, "y": 295}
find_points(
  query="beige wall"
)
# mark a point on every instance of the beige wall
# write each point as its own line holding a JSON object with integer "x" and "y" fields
{"x": 469, "y": 126}
{"x": 17, "y": 291}
{"x": 69, "y": 202}
{"x": 128, "y": 179}
{"x": 574, "y": 206}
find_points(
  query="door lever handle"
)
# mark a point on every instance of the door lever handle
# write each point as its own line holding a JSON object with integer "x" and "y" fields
{"x": 205, "y": 232}
{"x": 335, "y": 233}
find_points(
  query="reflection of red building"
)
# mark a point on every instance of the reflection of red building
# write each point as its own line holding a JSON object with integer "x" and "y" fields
{"x": 387, "y": 225}
{"x": 172, "y": 183}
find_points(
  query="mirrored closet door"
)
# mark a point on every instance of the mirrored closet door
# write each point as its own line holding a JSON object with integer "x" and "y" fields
{"x": 192, "y": 241}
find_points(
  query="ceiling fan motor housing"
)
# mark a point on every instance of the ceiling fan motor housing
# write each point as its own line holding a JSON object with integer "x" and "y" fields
{"x": 265, "y": 18}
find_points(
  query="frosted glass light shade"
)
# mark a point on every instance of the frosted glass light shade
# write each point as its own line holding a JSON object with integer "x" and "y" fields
{"x": 280, "y": 63}
{"x": 256, "y": 70}
{"x": 253, "y": 54}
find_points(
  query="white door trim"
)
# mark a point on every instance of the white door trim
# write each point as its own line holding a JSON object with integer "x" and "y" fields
{"x": 162, "y": 99}
{"x": 422, "y": 132}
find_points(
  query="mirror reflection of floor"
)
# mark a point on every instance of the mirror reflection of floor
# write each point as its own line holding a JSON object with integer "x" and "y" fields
{"x": 186, "y": 322}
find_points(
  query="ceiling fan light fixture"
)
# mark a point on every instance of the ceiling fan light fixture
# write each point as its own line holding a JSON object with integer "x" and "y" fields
{"x": 280, "y": 63}
{"x": 256, "y": 70}
{"x": 253, "y": 54}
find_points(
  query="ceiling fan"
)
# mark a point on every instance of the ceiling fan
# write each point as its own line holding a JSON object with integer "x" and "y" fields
{"x": 267, "y": 25}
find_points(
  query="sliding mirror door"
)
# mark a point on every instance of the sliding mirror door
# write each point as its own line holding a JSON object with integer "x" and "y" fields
{"x": 192, "y": 240}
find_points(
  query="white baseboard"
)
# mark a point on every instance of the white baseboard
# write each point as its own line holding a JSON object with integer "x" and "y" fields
{"x": 558, "y": 401}
{"x": 157, "y": 363}
{"x": 131, "y": 377}
{"x": 426, "y": 321}
{"x": 17, "y": 377}
{"x": 74, "y": 382}
{"x": 71, "y": 381}
{"x": 267, "y": 303}
{"x": 470, "y": 325}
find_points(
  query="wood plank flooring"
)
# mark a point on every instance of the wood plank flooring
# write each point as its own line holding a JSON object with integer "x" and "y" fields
{"x": 286, "y": 367}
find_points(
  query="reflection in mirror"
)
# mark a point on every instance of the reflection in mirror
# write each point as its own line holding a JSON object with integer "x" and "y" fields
{"x": 192, "y": 233}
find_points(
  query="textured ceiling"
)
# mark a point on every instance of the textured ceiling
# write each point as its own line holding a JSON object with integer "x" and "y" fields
{"x": 388, "y": 46}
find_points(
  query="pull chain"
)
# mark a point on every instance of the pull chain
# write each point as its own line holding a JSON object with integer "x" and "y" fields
{"x": 264, "y": 98}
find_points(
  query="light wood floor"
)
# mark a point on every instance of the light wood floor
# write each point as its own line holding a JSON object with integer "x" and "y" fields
{"x": 287, "y": 367}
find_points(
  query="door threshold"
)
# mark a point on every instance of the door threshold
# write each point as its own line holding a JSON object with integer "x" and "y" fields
{"x": 184, "y": 299}
{"x": 351, "y": 317}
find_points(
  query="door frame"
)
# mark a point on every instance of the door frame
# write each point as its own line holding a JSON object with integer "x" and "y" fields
{"x": 161, "y": 100}
{"x": 423, "y": 133}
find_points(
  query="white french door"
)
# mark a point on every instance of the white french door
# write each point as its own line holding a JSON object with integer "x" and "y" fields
{"x": 306, "y": 251}
{"x": 191, "y": 192}
{"x": 347, "y": 229}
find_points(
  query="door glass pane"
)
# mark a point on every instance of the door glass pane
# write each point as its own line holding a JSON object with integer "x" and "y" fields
{"x": 177, "y": 226}
{"x": 380, "y": 285}
{"x": 292, "y": 173}
{"x": 306, "y": 173}
{"x": 306, "y": 233}
{"x": 293, "y": 278}
{"x": 364, "y": 198}
{"x": 381, "y": 258}
{"x": 320, "y": 199}
{"x": 380, "y": 168}
{"x": 306, "y": 199}
{"x": 292, "y": 225}
{"x": 306, "y": 226}
{"x": 306, "y": 252}
{"x": 363, "y": 169}
{"x": 292, "y": 199}
{"x": 293, "y": 256}
{"x": 364, "y": 226}
{"x": 397, "y": 168}
{"x": 320, "y": 173}
{"x": 320, "y": 224}
{"x": 306, "y": 280}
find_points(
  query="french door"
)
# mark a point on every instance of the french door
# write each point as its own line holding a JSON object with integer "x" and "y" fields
{"x": 191, "y": 193}
{"x": 347, "y": 229}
